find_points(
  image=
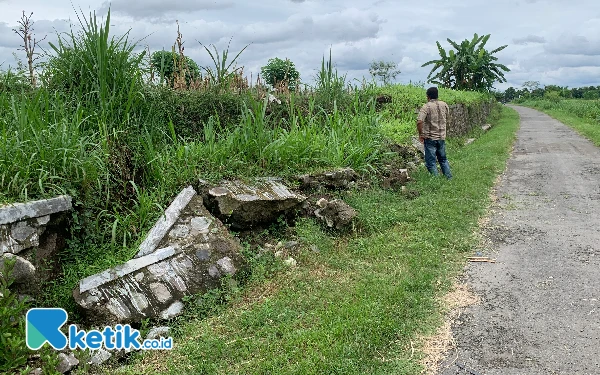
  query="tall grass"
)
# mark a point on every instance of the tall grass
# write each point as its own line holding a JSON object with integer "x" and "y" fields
{"x": 102, "y": 70}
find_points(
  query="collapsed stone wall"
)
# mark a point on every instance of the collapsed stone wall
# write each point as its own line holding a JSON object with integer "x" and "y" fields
{"x": 31, "y": 234}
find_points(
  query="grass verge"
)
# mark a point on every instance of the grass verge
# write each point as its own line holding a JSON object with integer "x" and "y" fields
{"x": 358, "y": 304}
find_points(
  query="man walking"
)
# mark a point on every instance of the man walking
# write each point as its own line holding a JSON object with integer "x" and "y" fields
{"x": 431, "y": 125}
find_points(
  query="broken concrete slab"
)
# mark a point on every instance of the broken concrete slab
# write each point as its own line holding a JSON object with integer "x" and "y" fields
{"x": 152, "y": 285}
{"x": 20, "y": 211}
{"x": 125, "y": 269}
{"x": 166, "y": 221}
{"x": 245, "y": 205}
{"x": 486, "y": 127}
{"x": 23, "y": 224}
{"x": 469, "y": 141}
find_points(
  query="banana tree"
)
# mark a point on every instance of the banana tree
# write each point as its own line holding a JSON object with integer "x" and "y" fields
{"x": 469, "y": 66}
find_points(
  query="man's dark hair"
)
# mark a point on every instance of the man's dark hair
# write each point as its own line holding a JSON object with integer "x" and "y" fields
{"x": 432, "y": 93}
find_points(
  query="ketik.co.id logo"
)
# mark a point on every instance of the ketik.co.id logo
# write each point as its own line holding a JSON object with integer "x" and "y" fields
{"x": 43, "y": 326}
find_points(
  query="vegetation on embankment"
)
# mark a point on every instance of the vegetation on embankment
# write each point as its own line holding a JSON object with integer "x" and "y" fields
{"x": 123, "y": 145}
{"x": 580, "y": 114}
{"x": 99, "y": 128}
{"x": 359, "y": 304}
{"x": 398, "y": 117}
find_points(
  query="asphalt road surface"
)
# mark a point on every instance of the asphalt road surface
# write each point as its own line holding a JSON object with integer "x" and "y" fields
{"x": 540, "y": 303}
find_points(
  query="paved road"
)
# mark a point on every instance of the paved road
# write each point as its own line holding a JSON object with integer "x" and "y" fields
{"x": 540, "y": 310}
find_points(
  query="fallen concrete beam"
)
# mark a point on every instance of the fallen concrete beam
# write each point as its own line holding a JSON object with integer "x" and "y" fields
{"x": 166, "y": 221}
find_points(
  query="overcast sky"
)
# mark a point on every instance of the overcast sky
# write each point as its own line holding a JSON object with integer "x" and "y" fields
{"x": 551, "y": 41}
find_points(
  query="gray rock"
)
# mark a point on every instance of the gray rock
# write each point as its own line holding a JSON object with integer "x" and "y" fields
{"x": 290, "y": 245}
{"x": 100, "y": 356}
{"x": 43, "y": 220}
{"x": 158, "y": 332}
{"x": 322, "y": 203}
{"x": 37, "y": 371}
{"x": 201, "y": 224}
{"x": 412, "y": 166}
{"x": 125, "y": 269}
{"x": 469, "y": 141}
{"x": 21, "y": 211}
{"x": 396, "y": 179}
{"x": 337, "y": 214}
{"x": 21, "y": 231}
{"x": 337, "y": 179}
{"x": 213, "y": 271}
{"x": 290, "y": 262}
{"x": 179, "y": 231}
{"x": 203, "y": 255}
{"x": 26, "y": 298}
{"x": 418, "y": 145}
{"x": 22, "y": 272}
{"x": 486, "y": 127}
{"x": 66, "y": 362}
{"x": 246, "y": 205}
{"x": 161, "y": 292}
{"x": 172, "y": 311}
{"x": 226, "y": 266}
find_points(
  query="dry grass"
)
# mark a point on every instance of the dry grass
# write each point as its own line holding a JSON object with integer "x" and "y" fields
{"x": 436, "y": 347}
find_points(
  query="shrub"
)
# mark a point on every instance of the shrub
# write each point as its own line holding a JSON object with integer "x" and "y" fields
{"x": 278, "y": 71}
{"x": 552, "y": 96}
{"x": 168, "y": 63}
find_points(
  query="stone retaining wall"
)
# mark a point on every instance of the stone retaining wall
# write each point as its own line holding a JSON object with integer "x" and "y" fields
{"x": 465, "y": 117}
{"x": 32, "y": 233}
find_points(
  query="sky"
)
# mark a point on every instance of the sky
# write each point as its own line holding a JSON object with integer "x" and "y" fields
{"x": 555, "y": 42}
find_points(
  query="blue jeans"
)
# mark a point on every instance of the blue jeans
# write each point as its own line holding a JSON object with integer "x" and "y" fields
{"x": 436, "y": 149}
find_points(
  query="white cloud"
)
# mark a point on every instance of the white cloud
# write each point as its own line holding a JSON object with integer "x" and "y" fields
{"x": 358, "y": 32}
{"x": 158, "y": 9}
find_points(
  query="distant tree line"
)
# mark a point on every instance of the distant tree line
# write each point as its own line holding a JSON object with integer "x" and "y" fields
{"x": 534, "y": 90}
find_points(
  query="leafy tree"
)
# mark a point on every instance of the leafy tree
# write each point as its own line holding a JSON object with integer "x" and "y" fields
{"x": 169, "y": 63}
{"x": 591, "y": 94}
{"x": 384, "y": 70}
{"x": 532, "y": 85}
{"x": 470, "y": 67}
{"x": 278, "y": 71}
{"x": 510, "y": 94}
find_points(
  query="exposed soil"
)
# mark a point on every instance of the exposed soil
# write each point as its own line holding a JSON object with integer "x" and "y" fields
{"x": 540, "y": 302}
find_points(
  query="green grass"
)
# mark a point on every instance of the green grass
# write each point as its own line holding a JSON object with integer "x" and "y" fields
{"x": 359, "y": 304}
{"x": 581, "y": 115}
